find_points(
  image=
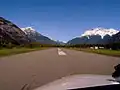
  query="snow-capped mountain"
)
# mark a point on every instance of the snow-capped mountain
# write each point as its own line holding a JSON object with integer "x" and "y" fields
{"x": 95, "y": 36}
{"x": 100, "y": 31}
{"x": 60, "y": 42}
{"x": 36, "y": 36}
{"x": 31, "y": 33}
{"x": 29, "y": 30}
{"x": 11, "y": 33}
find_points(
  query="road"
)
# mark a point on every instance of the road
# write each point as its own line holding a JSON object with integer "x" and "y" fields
{"x": 41, "y": 67}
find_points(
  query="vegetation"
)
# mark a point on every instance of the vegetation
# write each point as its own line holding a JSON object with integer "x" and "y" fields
{"x": 100, "y": 51}
{"x": 112, "y": 49}
{"x": 113, "y": 46}
{"x": 109, "y": 49}
{"x": 6, "y": 52}
{"x": 105, "y": 52}
{"x": 10, "y": 49}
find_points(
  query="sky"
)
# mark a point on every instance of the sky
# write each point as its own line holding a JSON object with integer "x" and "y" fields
{"x": 62, "y": 19}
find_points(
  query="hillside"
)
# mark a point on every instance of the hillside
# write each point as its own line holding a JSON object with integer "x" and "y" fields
{"x": 100, "y": 31}
{"x": 94, "y": 36}
{"x": 10, "y": 33}
{"x": 37, "y": 37}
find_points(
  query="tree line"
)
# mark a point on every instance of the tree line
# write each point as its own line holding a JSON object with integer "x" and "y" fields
{"x": 114, "y": 46}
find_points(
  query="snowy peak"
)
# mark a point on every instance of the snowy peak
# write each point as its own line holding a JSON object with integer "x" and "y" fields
{"x": 100, "y": 31}
{"x": 28, "y": 30}
{"x": 35, "y": 36}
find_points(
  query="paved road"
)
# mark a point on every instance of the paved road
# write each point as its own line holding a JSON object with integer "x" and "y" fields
{"x": 40, "y": 67}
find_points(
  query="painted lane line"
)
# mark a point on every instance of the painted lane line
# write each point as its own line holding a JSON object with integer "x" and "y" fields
{"x": 60, "y": 52}
{"x": 59, "y": 49}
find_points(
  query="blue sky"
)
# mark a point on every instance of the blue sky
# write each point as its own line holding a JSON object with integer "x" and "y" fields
{"x": 62, "y": 19}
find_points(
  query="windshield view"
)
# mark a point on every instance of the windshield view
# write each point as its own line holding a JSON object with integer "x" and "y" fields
{"x": 59, "y": 44}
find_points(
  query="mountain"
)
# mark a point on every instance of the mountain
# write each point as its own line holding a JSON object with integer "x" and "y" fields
{"x": 100, "y": 31}
{"x": 94, "y": 36}
{"x": 31, "y": 33}
{"x": 60, "y": 42}
{"x": 36, "y": 36}
{"x": 78, "y": 40}
{"x": 11, "y": 33}
{"x": 116, "y": 38}
{"x": 107, "y": 39}
{"x": 115, "y": 41}
{"x": 94, "y": 39}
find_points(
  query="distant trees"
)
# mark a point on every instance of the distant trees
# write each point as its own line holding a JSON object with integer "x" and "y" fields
{"x": 27, "y": 45}
{"x": 115, "y": 46}
{"x": 107, "y": 46}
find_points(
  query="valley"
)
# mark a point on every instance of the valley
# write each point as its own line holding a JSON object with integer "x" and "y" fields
{"x": 59, "y": 44}
{"x": 29, "y": 59}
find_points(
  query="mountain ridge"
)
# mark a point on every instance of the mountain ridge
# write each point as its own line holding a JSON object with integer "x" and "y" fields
{"x": 35, "y": 36}
{"x": 100, "y": 31}
{"x": 94, "y": 36}
{"x": 11, "y": 33}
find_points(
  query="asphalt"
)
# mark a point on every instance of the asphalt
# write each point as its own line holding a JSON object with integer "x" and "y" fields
{"x": 37, "y": 68}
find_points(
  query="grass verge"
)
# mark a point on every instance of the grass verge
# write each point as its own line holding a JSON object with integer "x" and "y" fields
{"x": 101, "y": 51}
{"x": 7, "y": 52}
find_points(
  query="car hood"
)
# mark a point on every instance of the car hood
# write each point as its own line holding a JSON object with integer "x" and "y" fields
{"x": 78, "y": 81}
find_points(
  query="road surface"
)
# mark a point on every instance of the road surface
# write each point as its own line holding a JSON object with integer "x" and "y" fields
{"x": 41, "y": 67}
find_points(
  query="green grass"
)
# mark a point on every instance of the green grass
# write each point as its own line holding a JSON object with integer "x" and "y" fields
{"x": 102, "y": 51}
{"x": 6, "y": 52}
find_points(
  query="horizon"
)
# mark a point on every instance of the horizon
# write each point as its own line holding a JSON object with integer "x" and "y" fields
{"x": 63, "y": 19}
{"x": 90, "y": 30}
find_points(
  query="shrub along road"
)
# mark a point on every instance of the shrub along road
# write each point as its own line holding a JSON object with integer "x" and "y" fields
{"x": 108, "y": 52}
{"x": 8, "y": 52}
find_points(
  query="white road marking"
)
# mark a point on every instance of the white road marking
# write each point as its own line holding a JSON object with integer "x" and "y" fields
{"x": 64, "y": 84}
{"x": 59, "y": 49}
{"x": 60, "y": 52}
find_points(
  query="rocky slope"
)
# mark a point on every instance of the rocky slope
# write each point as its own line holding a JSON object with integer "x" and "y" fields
{"x": 10, "y": 33}
{"x": 37, "y": 37}
{"x": 116, "y": 38}
{"x": 116, "y": 41}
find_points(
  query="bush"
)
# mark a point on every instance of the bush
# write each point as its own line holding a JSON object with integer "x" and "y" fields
{"x": 32, "y": 45}
{"x": 10, "y": 45}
